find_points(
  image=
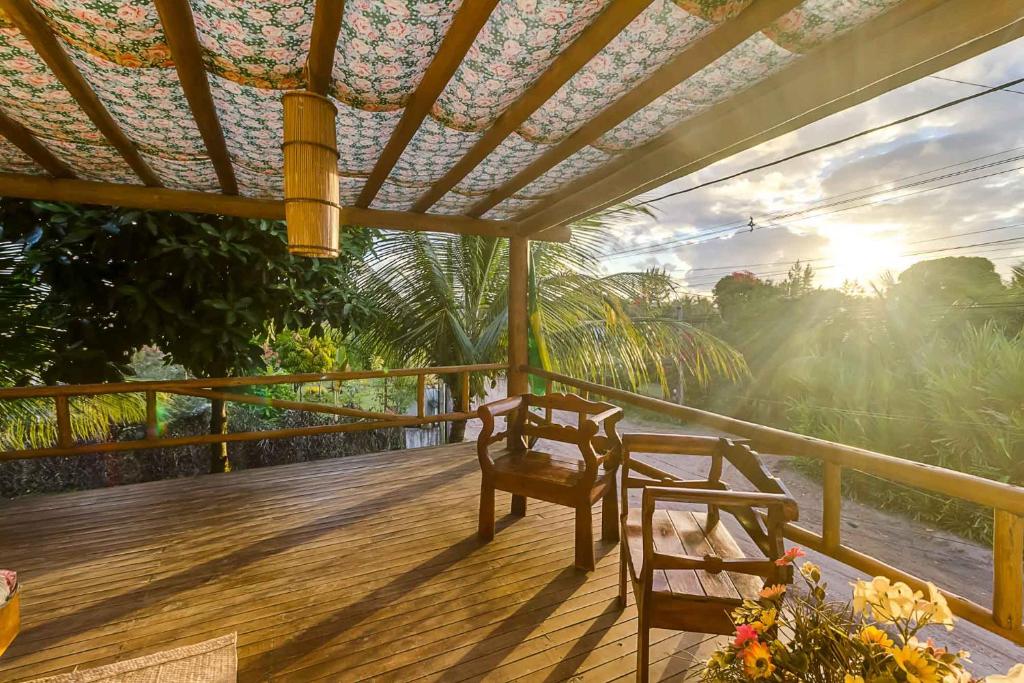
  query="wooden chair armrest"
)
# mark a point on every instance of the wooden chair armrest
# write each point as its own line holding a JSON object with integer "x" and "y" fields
{"x": 725, "y": 498}
{"x": 713, "y": 564}
{"x": 500, "y": 408}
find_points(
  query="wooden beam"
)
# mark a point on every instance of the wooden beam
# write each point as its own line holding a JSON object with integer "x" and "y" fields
{"x": 323, "y": 44}
{"x": 23, "y": 139}
{"x": 180, "y": 29}
{"x": 33, "y": 26}
{"x": 163, "y": 199}
{"x": 468, "y": 21}
{"x": 591, "y": 41}
{"x": 697, "y": 55}
{"x": 911, "y": 41}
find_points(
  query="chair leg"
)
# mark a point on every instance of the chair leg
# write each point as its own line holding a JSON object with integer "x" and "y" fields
{"x": 518, "y": 505}
{"x": 610, "y": 516}
{"x": 584, "y": 538}
{"x": 643, "y": 647}
{"x": 622, "y": 575}
{"x": 486, "y": 528}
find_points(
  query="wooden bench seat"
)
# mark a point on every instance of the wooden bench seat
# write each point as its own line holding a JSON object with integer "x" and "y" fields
{"x": 549, "y": 474}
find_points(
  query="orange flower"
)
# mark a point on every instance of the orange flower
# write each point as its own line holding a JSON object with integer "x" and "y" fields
{"x": 773, "y": 592}
{"x": 872, "y": 635}
{"x": 790, "y": 556}
{"x": 757, "y": 661}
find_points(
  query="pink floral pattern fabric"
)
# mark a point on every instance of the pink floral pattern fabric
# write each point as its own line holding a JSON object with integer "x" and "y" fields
{"x": 816, "y": 22}
{"x": 384, "y": 48}
{"x": 396, "y": 197}
{"x": 431, "y": 152}
{"x": 454, "y": 204}
{"x": 579, "y": 164}
{"x": 510, "y": 208}
{"x": 512, "y": 156}
{"x": 260, "y": 43}
{"x": 519, "y": 41}
{"x": 93, "y": 161}
{"x": 123, "y": 32}
{"x": 13, "y": 160}
{"x": 657, "y": 35}
{"x": 184, "y": 174}
{"x": 362, "y": 136}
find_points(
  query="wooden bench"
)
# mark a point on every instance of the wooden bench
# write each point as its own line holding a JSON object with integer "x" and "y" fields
{"x": 687, "y": 571}
{"x": 576, "y": 481}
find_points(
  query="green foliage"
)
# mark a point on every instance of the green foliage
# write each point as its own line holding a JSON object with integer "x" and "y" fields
{"x": 200, "y": 287}
{"x": 304, "y": 350}
{"x": 929, "y": 368}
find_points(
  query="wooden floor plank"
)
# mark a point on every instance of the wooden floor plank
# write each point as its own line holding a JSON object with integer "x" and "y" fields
{"x": 358, "y": 568}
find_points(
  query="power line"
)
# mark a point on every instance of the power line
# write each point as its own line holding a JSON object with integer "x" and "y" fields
{"x": 976, "y": 85}
{"x": 709, "y": 236}
{"x": 839, "y": 141}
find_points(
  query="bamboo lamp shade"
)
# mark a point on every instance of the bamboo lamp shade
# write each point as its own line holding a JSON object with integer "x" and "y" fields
{"x": 311, "y": 192}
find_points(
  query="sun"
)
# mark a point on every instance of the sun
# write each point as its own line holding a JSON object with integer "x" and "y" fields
{"x": 860, "y": 254}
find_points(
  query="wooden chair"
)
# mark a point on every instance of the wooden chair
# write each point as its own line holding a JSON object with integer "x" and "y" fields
{"x": 687, "y": 571}
{"x": 576, "y": 481}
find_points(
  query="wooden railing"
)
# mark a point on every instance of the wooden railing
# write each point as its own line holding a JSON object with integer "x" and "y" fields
{"x": 1005, "y": 616}
{"x": 214, "y": 389}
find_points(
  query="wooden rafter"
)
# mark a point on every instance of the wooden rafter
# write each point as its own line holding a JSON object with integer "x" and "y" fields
{"x": 33, "y": 26}
{"x": 323, "y": 44}
{"x": 911, "y": 41}
{"x": 22, "y": 138}
{"x": 163, "y": 199}
{"x": 467, "y": 23}
{"x": 591, "y": 41}
{"x": 695, "y": 57}
{"x": 180, "y": 29}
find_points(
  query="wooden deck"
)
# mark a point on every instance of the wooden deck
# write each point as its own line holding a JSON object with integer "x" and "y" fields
{"x": 351, "y": 569}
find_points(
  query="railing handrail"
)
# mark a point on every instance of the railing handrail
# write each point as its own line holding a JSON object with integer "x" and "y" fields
{"x": 159, "y": 385}
{"x": 969, "y": 487}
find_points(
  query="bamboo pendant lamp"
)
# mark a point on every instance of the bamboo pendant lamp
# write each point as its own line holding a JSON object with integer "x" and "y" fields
{"x": 311, "y": 193}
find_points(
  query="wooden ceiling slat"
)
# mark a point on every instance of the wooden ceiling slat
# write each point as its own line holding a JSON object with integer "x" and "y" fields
{"x": 164, "y": 199}
{"x": 22, "y": 138}
{"x": 468, "y": 21}
{"x": 915, "y": 39}
{"x": 616, "y": 17}
{"x": 179, "y": 26}
{"x": 34, "y": 28}
{"x": 323, "y": 45}
{"x": 695, "y": 57}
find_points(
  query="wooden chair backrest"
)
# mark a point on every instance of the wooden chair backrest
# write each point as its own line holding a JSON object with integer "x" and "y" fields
{"x": 533, "y": 426}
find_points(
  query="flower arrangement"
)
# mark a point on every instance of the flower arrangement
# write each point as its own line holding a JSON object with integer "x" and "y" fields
{"x": 800, "y": 635}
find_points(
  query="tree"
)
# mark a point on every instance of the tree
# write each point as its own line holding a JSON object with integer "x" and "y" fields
{"x": 441, "y": 299}
{"x": 202, "y": 288}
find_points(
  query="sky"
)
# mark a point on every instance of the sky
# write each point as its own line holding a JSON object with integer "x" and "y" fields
{"x": 857, "y": 243}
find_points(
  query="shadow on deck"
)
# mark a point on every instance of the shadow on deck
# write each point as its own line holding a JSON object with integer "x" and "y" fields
{"x": 348, "y": 569}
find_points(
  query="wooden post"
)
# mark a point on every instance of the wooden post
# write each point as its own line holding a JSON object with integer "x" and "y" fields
{"x": 832, "y": 500}
{"x": 152, "y": 431}
{"x": 1008, "y": 558}
{"x": 464, "y": 388}
{"x": 548, "y": 412}
{"x": 518, "y": 271}
{"x": 421, "y": 396}
{"x": 64, "y": 439}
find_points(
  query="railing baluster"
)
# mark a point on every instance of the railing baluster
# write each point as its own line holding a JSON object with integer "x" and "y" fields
{"x": 151, "y": 427}
{"x": 832, "y": 502}
{"x": 421, "y": 395}
{"x": 64, "y": 439}
{"x": 465, "y": 392}
{"x": 1008, "y": 558}
{"x": 548, "y": 412}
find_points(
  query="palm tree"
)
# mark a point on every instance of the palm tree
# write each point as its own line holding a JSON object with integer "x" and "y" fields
{"x": 441, "y": 300}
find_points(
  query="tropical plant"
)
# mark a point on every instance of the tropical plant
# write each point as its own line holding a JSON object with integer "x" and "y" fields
{"x": 441, "y": 300}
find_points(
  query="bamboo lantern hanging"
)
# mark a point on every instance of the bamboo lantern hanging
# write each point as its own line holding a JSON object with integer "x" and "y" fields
{"x": 311, "y": 194}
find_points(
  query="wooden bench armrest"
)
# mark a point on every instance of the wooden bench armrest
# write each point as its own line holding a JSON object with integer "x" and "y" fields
{"x": 487, "y": 412}
{"x": 724, "y": 498}
{"x": 713, "y": 564}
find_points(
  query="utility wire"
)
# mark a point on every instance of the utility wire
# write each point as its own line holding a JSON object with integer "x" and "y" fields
{"x": 839, "y": 141}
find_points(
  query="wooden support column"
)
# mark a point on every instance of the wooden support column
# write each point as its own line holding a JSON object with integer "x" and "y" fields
{"x": 518, "y": 271}
{"x": 1008, "y": 558}
{"x": 64, "y": 435}
{"x": 832, "y": 500}
{"x": 152, "y": 427}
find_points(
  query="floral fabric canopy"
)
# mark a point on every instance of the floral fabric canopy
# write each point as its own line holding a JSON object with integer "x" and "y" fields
{"x": 255, "y": 49}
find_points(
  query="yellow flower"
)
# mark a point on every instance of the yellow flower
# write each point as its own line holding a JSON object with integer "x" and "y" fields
{"x": 773, "y": 592}
{"x": 810, "y": 571}
{"x": 757, "y": 661}
{"x": 916, "y": 664}
{"x": 872, "y": 635}
{"x": 1014, "y": 675}
{"x": 849, "y": 678}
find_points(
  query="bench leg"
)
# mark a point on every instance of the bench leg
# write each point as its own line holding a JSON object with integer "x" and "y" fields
{"x": 584, "y": 539}
{"x": 486, "y": 528}
{"x": 643, "y": 646}
{"x": 610, "y": 515}
{"x": 518, "y": 505}
{"x": 622, "y": 575}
